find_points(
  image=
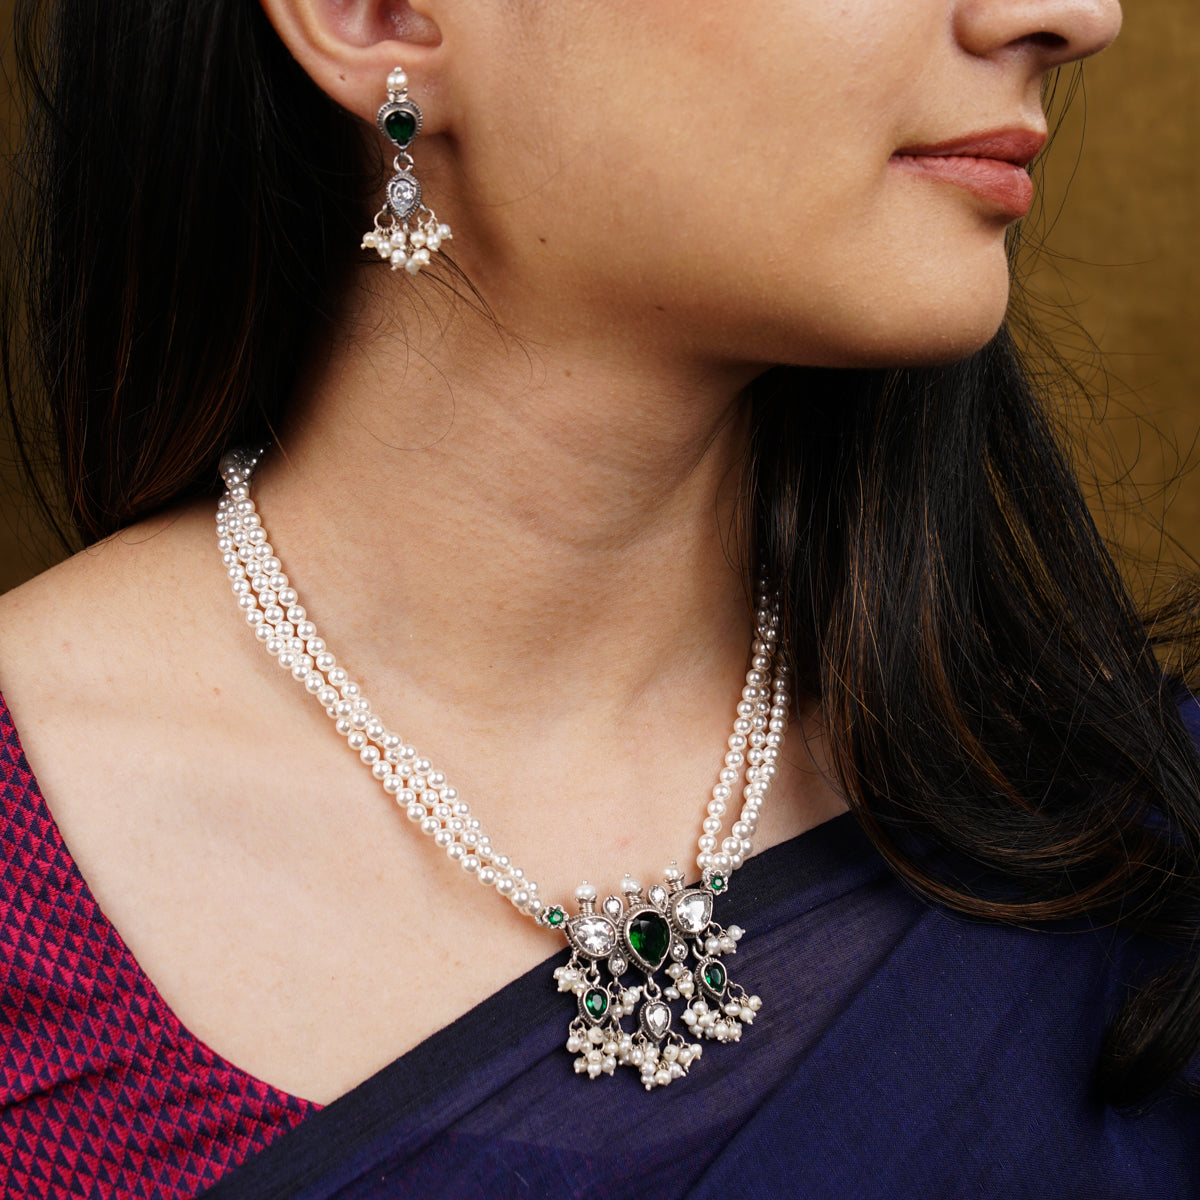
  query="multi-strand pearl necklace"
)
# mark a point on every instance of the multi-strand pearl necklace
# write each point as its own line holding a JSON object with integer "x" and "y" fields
{"x": 667, "y": 926}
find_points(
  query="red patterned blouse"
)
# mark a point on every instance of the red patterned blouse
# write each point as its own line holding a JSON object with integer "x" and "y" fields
{"x": 103, "y": 1093}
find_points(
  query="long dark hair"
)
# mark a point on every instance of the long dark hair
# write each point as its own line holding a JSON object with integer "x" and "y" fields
{"x": 997, "y": 715}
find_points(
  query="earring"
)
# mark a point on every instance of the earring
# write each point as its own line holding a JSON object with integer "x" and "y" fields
{"x": 406, "y": 232}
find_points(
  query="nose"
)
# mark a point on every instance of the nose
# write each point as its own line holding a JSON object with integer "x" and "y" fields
{"x": 1053, "y": 31}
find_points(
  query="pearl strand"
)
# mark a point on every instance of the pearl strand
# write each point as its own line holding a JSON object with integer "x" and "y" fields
{"x": 272, "y": 608}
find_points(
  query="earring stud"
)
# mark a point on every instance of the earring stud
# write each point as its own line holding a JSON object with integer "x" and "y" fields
{"x": 406, "y": 232}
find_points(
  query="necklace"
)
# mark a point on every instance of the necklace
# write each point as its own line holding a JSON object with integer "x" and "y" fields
{"x": 667, "y": 927}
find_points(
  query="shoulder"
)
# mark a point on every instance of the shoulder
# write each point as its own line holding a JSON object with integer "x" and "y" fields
{"x": 94, "y": 636}
{"x": 112, "y": 665}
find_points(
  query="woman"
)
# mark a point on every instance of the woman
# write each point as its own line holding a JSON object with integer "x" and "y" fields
{"x": 706, "y": 266}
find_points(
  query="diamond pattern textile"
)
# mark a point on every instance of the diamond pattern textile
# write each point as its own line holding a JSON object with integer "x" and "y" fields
{"x": 103, "y": 1093}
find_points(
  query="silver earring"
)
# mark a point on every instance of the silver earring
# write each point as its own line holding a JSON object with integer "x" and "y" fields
{"x": 406, "y": 233}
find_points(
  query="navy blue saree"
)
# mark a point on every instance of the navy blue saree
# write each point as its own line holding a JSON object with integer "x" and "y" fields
{"x": 900, "y": 1052}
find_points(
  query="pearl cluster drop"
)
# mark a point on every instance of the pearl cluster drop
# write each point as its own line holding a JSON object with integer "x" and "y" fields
{"x": 402, "y": 247}
{"x": 272, "y": 609}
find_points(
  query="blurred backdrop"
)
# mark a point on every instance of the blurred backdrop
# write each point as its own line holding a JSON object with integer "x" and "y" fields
{"x": 1120, "y": 242}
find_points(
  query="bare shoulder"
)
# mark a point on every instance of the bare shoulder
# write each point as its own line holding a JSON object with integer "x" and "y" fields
{"x": 85, "y": 640}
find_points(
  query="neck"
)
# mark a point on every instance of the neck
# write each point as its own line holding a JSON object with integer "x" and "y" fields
{"x": 472, "y": 509}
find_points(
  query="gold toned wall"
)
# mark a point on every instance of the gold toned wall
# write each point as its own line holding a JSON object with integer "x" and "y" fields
{"x": 1124, "y": 254}
{"x": 1123, "y": 249}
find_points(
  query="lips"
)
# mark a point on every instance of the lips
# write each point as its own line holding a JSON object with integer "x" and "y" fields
{"x": 990, "y": 166}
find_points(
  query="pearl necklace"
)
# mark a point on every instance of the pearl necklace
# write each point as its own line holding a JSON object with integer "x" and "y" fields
{"x": 642, "y": 931}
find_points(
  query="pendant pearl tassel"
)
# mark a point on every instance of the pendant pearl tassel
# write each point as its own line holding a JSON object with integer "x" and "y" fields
{"x": 667, "y": 928}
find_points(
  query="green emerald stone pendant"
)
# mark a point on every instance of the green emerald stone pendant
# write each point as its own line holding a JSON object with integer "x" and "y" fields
{"x": 649, "y": 937}
{"x": 400, "y": 121}
{"x": 714, "y": 977}
{"x": 595, "y": 1003}
{"x": 401, "y": 127}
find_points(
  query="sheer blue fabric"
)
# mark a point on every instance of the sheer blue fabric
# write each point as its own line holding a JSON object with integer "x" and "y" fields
{"x": 901, "y": 1051}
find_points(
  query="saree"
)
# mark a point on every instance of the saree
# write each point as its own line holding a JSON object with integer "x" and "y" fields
{"x": 901, "y": 1051}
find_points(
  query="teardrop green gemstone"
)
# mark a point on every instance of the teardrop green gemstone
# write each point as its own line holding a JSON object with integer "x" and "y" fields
{"x": 401, "y": 126}
{"x": 714, "y": 976}
{"x": 596, "y": 1002}
{"x": 650, "y": 937}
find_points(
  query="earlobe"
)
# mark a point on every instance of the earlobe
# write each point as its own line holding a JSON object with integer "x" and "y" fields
{"x": 349, "y": 46}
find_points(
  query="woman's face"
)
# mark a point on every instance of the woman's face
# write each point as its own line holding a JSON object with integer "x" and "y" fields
{"x": 755, "y": 179}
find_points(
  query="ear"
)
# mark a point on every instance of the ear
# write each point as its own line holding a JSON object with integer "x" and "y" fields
{"x": 349, "y": 46}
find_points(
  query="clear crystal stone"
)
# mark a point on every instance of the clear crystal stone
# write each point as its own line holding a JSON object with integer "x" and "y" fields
{"x": 657, "y": 1018}
{"x": 693, "y": 910}
{"x": 594, "y": 935}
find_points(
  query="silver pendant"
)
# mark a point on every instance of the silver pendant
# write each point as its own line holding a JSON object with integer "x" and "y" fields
{"x": 667, "y": 929}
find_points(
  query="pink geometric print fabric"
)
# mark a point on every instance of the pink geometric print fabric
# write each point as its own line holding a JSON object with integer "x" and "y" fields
{"x": 103, "y": 1093}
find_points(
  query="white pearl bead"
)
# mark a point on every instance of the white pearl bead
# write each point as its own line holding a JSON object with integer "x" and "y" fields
{"x": 585, "y": 891}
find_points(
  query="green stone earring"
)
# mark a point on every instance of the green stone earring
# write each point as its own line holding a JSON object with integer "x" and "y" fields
{"x": 406, "y": 233}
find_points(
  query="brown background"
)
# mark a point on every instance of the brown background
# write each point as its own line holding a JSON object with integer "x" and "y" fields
{"x": 1121, "y": 246}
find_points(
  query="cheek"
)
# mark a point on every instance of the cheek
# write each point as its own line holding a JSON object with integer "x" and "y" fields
{"x": 892, "y": 274}
{"x": 740, "y": 185}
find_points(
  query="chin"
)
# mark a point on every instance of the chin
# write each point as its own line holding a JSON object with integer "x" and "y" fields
{"x": 925, "y": 327}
